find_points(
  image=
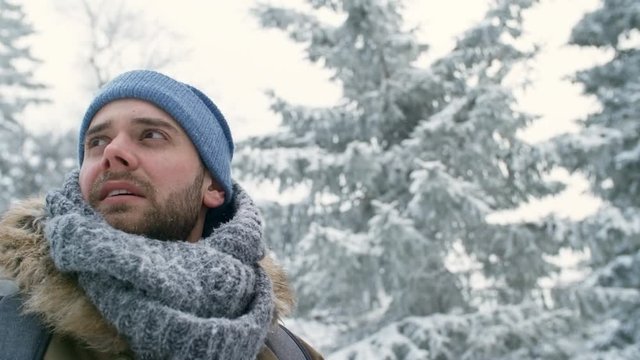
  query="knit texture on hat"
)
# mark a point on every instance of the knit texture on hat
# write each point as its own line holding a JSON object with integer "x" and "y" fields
{"x": 194, "y": 111}
{"x": 169, "y": 300}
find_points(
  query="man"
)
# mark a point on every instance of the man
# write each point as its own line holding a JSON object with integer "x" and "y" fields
{"x": 150, "y": 250}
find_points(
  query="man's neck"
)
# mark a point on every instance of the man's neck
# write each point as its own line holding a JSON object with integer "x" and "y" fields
{"x": 196, "y": 233}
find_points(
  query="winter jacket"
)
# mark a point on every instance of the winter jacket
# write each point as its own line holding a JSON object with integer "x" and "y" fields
{"x": 77, "y": 328}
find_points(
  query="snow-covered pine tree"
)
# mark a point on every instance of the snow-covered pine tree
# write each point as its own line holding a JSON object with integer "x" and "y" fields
{"x": 18, "y": 90}
{"x": 45, "y": 160}
{"x": 403, "y": 172}
{"x": 607, "y": 152}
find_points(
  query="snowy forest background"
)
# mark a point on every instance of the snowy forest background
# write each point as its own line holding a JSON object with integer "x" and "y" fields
{"x": 386, "y": 211}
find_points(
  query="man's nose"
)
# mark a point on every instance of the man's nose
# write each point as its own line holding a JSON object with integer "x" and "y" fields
{"x": 119, "y": 155}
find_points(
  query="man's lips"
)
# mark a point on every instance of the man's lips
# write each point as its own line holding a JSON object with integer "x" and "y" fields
{"x": 119, "y": 188}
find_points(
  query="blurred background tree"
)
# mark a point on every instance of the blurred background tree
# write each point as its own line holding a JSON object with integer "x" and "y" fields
{"x": 402, "y": 174}
{"x": 19, "y": 89}
{"x": 607, "y": 151}
{"x": 121, "y": 38}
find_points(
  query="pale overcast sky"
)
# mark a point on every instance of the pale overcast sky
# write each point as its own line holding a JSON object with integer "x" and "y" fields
{"x": 233, "y": 60}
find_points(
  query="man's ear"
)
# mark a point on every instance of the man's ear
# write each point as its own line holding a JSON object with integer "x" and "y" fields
{"x": 213, "y": 195}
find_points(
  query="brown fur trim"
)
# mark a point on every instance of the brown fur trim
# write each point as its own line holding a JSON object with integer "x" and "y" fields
{"x": 283, "y": 295}
{"x": 56, "y": 297}
{"x": 62, "y": 305}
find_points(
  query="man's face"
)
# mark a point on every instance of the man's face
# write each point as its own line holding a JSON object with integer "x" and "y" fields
{"x": 143, "y": 174}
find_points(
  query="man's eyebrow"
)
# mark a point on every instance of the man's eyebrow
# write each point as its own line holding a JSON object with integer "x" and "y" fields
{"x": 98, "y": 128}
{"x": 139, "y": 121}
{"x": 154, "y": 122}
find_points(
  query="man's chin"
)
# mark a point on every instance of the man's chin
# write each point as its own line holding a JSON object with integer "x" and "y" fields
{"x": 108, "y": 209}
{"x": 125, "y": 219}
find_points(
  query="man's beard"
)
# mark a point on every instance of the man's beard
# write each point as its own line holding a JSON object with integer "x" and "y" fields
{"x": 172, "y": 220}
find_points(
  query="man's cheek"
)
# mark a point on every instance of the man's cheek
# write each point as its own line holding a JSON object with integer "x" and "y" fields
{"x": 85, "y": 184}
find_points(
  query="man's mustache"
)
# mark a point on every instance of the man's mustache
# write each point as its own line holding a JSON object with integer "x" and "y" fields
{"x": 144, "y": 186}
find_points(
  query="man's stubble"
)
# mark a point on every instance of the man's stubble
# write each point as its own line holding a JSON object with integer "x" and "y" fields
{"x": 172, "y": 220}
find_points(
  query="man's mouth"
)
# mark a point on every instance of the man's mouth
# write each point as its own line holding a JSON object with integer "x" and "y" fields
{"x": 112, "y": 189}
{"x": 119, "y": 192}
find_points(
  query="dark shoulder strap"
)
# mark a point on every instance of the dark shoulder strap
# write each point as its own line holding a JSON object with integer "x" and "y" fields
{"x": 285, "y": 345}
{"x": 22, "y": 337}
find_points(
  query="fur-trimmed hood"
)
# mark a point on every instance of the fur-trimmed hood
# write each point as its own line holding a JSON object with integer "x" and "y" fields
{"x": 56, "y": 297}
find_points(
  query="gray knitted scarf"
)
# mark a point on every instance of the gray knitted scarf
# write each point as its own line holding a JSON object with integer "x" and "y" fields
{"x": 169, "y": 300}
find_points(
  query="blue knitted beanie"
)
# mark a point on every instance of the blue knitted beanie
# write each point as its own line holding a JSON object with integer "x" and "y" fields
{"x": 194, "y": 111}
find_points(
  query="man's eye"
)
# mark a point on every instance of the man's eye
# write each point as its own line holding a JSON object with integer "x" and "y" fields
{"x": 96, "y": 141}
{"x": 153, "y": 134}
